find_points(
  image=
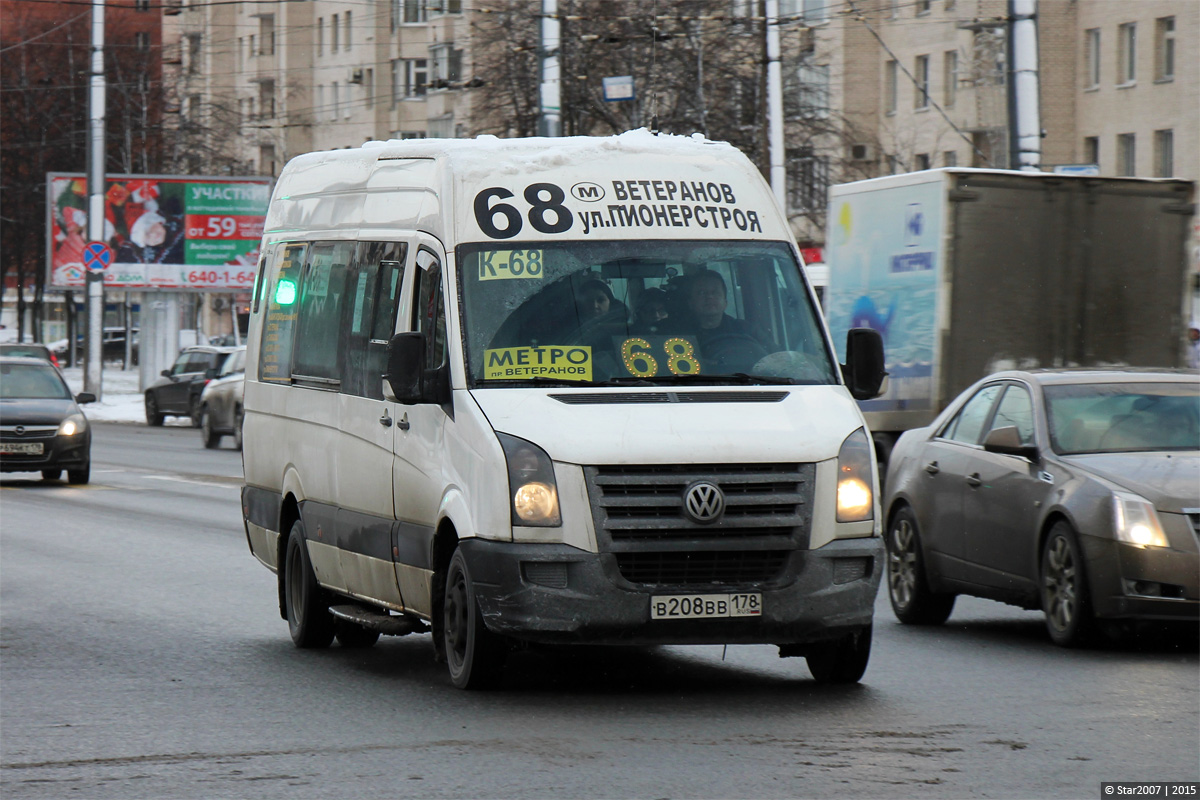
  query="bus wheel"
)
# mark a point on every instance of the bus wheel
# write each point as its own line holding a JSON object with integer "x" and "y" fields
{"x": 474, "y": 654}
{"x": 309, "y": 620}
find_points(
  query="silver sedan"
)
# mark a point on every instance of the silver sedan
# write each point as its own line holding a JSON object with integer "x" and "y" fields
{"x": 1073, "y": 491}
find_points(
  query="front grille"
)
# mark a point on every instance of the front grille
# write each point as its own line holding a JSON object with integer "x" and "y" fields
{"x": 639, "y": 515}
{"x": 647, "y": 502}
{"x": 32, "y": 433}
{"x": 1193, "y": 515}
{"x": 697, "y": 568}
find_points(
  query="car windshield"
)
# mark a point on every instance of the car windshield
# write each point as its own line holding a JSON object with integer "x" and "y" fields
{"x": 1123, "y": 417}
{"x": 639, "y": 312}
{"x": 31, "y": 381}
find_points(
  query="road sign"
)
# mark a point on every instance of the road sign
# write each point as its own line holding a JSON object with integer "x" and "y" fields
{"x": 97, "y": 256}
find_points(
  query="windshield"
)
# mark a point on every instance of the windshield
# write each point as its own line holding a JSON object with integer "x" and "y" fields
{"x": 31, "y": 381}
{"x": 655, "y": 312}
{"x": 1123, "y": 417}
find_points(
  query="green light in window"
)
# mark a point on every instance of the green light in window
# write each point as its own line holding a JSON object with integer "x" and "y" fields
{"x": 285, "y": 293}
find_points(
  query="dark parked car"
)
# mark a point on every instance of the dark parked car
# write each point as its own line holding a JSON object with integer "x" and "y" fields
{"x": 29, "y": 350}
{"x": 41, "y": 427}
{"x": 177, "y": 392}
{"x": 1073, "y": 491}
{"x": 221, "y": 404}
{"x": 112, "y": 345}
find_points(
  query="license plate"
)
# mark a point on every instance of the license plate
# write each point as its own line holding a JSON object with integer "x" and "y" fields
{"x": 21, "y": 448}
{"x": 705, "y": 606}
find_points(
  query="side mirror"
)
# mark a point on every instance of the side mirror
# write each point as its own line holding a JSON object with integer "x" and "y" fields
{"x": 405, "y": 355}
{"x": 211, "y": 373}
{"x": 85, "y": 397}
{"x": 1007, "y": 440}
{"x": 864, "y": 371}
{"x": 166, "y": 373}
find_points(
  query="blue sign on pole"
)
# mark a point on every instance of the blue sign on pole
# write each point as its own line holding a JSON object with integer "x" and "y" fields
{"x": 97, "y": 256}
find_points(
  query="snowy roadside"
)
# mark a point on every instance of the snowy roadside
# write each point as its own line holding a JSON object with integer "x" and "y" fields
{"x": 122, "y": 401}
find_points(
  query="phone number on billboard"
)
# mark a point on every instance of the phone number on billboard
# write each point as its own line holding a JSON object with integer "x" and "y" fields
{"x": 220, "y": 277}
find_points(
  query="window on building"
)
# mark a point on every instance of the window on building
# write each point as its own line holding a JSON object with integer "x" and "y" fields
{"x": 266, "y": 159}
{"x": 266, "y": 34}
{"x": 319, "y": 102}
{"x": 445, "y": 6}
{"x": 408, "y": 135}
{"x": 950, "y": 159}
{"x": 141, "y": 41}
{"x": 416, "y": 77}
{"x": 1127, "y": 53}
{"x": 333, "y": 33}
{"x": 442, "y": 127}
{"x": 266, "y": 98}
{"x": 1091, "y": 58}
{"x": 142, "y": 5}
{"x": 1164, "y": 49}
{"x": 923, "y": 7}
{"x": 253, "y": 45}
{"x": 414, "y": 11}
{"x": 194, "y": 53}
{"x": 815, "y": 12}
{"x": 368, "y": 85}
{"x": 807, "y": 181}
{"x": 193, "y": 108}
{"x": 1091, "y": 150}
{"x": 320, "y": 35}
{"x": 1126, "y": 154}
{"x": 241, "y": 55}
{"x": 347, "y": 37}
{"x": 923, "y": 161}
{"x": 335, "y": 101}
{"x": 143, "y": 82}
{"x": 1164, "y": 154}
{"x": 813, "y": 91}
{"x": 447, "y": 64}
{"x": 397, "y": 80}
{"x": 890, "y": 86}
{"x": 949, "y": 78}
{"x": 921, "y": 73}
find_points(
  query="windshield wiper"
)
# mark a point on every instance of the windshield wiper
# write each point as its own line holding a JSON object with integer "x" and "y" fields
{"x": 539, "y": 380}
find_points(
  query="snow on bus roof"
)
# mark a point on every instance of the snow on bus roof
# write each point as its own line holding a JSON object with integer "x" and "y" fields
{"x": 493, "y": 155}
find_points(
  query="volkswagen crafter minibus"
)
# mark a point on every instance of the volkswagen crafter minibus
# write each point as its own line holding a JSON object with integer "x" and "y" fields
{"x": 576, "y": 390}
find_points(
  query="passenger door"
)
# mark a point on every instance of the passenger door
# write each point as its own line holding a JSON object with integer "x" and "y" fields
{"x": 1002, "y": 502}
{"x": 942, "y": 462}
{"x": 364, "y": 457}
{"x": 419, "y": 437}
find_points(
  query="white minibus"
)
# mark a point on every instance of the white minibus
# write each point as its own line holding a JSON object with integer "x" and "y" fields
{"x": 538, "y": 391}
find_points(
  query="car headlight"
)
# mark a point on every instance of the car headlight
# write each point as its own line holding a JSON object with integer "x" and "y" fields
{"x": 531, "y": 485}
{"x": 855, "y": 497}
{"x": 72, "y": 425}
{"x": 1136, "y": 522}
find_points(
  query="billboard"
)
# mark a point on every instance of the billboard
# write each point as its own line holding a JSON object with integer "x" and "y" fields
{"x": 167, "y": 232}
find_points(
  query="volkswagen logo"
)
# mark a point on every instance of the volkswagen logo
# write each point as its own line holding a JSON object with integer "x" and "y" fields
{"x": 703, "y": 502}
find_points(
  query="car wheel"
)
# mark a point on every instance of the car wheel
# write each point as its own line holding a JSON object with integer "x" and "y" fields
{"x": 1064, "y": 588}
{"x": 841, "y": 661}
{"x": 354, "y": 636}
{"x": 908, "y": 587}
{"x": 51, "y": 474}
{"x": 309, "y": 620}
{"x": 237, "y": 428}
{"x": 211, "y": 439}
{"x": 78, "y": 477}
{"x": 153, "y": 415}
{"x": 474, "y": 654}
{"x": 194, "y": 411}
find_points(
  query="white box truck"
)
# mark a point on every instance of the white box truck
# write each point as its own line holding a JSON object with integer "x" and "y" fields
{"x": 966, "y": 271}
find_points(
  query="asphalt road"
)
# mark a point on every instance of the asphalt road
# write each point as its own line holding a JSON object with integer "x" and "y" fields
{"x": 142, "y": 655}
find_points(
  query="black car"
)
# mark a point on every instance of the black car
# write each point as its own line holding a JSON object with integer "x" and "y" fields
{"x": 41, "y": 427}
{"x": 177, "y": 392}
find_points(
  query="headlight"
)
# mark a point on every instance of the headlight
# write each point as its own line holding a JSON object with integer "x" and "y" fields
{"x": 1135, "y": 521}
{"x": 530, "y": 483}
{"x": 72, "y": 425}
{"x": 855, "y": 497}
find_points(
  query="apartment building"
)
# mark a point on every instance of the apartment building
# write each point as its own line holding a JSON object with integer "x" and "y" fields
{"x": 260, "y": 83}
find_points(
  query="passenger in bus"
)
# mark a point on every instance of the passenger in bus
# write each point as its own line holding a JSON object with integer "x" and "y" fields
{"x": 593, "y": 300}
{"x": 652, "y": 312}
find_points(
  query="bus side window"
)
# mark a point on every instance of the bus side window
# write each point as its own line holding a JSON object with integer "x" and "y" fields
{"x": 429, "y": 315}
{"x": 373, "y": 288}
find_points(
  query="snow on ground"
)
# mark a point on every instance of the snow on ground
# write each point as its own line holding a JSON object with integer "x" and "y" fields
{"x": 121, "y": 400}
